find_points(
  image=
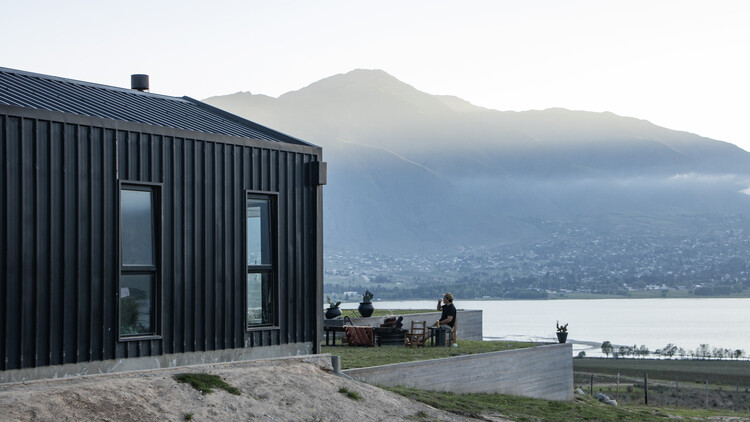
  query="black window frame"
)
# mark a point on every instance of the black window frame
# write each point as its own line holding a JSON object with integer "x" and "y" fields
{"x": 270, "y": 269}
{"x": 155, "y": 269}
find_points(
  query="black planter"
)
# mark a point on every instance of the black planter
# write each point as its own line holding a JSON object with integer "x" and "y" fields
{"x": 332, "y": 313}
{"x": 561, "y": 337}
{"x": 366, "y": 309}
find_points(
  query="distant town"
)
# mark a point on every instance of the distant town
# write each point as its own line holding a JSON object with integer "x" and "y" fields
{"x": 575, "y": 262}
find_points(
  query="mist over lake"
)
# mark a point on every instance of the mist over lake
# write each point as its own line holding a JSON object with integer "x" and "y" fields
{"x": 687, "y": 323}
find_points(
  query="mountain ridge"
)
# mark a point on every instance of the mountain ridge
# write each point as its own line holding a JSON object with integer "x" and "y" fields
{"x": 411, "y": 171}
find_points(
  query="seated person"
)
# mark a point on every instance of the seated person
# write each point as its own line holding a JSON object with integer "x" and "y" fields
{"x": 448, "y": 316}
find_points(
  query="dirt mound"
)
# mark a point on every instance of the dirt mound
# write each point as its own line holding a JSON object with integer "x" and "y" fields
{"x": 271, "y": 390}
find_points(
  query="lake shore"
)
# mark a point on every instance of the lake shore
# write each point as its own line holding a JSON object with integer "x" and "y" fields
{"x": 653, "y": 322}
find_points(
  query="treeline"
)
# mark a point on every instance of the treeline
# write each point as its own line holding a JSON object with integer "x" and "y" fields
{"x": 703, "y": 351}
{"x": 429, "y": 291}
{"x": 478, "y": 285}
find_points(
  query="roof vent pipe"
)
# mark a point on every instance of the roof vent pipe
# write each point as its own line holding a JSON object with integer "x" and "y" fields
{"x": 139, "y": 82}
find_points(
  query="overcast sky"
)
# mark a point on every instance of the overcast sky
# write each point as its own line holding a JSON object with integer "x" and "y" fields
{"x": 680, "y": 64}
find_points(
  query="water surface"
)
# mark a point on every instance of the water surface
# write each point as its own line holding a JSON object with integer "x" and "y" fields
{"x": 686, "y": 323}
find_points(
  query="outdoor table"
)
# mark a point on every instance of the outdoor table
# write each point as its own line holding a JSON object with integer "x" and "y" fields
{"x": 437, "y": 334}
{"x": 332, "y": 329}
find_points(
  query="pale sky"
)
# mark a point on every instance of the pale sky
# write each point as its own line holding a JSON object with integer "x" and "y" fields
{"x": 681, "y": 64}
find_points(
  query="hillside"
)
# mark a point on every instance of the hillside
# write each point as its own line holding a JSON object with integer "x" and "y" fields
{"x": 270, "y": 390}
{"x": 411, "y": 172}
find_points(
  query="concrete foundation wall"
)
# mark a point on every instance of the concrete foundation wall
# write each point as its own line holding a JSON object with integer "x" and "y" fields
{"x": 544, "y": 372}
{"x": 155, "y": 362}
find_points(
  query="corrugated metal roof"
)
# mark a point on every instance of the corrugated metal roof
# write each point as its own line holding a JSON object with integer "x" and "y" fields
{"x": 32, "y": 90}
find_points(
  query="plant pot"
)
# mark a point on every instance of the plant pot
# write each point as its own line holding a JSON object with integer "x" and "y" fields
{"x": 332, "y": 313}
{"x": 561, "y": 337}
{"x": 366, "y": 309}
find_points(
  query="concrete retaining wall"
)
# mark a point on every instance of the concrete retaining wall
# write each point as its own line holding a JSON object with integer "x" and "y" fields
{"x": 469, "y": 322}
{"x": 544, "y": 372}
{"x": 154, "y": 362}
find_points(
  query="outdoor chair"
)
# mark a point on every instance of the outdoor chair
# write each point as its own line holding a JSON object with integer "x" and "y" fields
{"x": 417, "y": 335}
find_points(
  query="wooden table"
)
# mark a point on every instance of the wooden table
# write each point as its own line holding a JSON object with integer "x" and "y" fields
{"x": 328, "y": 329}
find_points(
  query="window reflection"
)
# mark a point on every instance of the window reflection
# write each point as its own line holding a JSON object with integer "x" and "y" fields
{"x": 136, "y": 291}
{"x": 259, "y": 302}
{"x": 258, "y": 232}
{"x": 137, "y": 230}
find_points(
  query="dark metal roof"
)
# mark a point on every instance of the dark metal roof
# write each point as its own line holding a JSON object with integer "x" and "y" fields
{"x": 43, "y": 92}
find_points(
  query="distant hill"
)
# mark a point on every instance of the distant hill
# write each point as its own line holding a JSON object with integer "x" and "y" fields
{"x": 411, "y": 172}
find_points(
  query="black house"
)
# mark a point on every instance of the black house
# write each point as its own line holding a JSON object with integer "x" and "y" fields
{"x": 139, "y": 230}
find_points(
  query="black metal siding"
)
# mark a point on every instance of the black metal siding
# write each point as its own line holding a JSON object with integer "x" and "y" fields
{"x": 59, "y": 237}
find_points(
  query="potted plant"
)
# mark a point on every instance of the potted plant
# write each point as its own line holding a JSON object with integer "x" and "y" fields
{"x": 562, "y": 332}
{"x": 365, "y": 307}
{"x": 333, "y": 309}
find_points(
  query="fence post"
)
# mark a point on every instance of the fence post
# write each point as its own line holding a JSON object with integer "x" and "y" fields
{"x": 645, "y": 387}
{"x": 591, "y": 386}
{"x": 618, "y": 386}
{"x": 706, "y": 394}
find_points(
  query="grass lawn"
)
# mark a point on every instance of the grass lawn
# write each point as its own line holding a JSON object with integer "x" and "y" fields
{"x": 353, "y": 313}
{"x": 726, "y": 372}
{"x": 363, "y": 357}
{"x": 584, "y": 408}
{"x": 672, "y": 383}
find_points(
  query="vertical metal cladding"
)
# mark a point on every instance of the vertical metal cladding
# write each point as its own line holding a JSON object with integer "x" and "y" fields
{"x": 59, "y": 236}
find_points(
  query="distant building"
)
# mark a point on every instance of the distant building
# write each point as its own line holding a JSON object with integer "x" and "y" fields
{"x": 155, "y": 229}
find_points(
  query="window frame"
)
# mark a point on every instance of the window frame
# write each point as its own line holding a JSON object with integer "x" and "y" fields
{"x": 157, "y": 215}
{"x": 270, "y": 269}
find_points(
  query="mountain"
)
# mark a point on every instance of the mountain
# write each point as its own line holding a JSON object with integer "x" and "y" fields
{"x": 413, "y": 173}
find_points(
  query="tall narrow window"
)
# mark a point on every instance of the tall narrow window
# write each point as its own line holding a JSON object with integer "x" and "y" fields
{"x": 261, "y": 288}
{"x": 139, "y": 257}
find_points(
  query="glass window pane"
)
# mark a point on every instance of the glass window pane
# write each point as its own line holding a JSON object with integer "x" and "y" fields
{"x": 258, "y": 232}
{"x": 259, "y": 299}
{"x": 137, "y": 228}
{"x": 136, "y": 304}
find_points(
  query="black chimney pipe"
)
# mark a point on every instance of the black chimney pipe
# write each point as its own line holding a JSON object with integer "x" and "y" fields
{"x": 139, "y": 82}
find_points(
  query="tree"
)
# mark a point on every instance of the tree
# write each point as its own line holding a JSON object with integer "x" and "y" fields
{"x": 669, "y": 350}
{"x": 643, "y": 350}
{"x": 625, "y": 350}
{"x": 703, "y": 351}
{"x": 607, "y": 348}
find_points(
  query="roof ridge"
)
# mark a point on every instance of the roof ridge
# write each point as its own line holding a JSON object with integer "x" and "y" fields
{"x": 53, "y": 93}
{"x": 85, "y": 83}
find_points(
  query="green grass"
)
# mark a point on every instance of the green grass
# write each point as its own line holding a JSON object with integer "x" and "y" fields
{"x": 528, "y": 409}
{"x": 353, "y": 313}
{"x": 349, "y": 393}
{"x": 726, "y": 372}
{"x": 205, "y": 383}
{"x": 363, "y": 357}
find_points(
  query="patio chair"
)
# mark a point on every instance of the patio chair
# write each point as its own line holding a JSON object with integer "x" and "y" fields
{"x": 452, "y": 340}
{"x": 417, "y": 335}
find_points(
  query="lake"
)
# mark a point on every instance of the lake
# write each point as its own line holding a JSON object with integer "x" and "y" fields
{"x": 687, "y": 323}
